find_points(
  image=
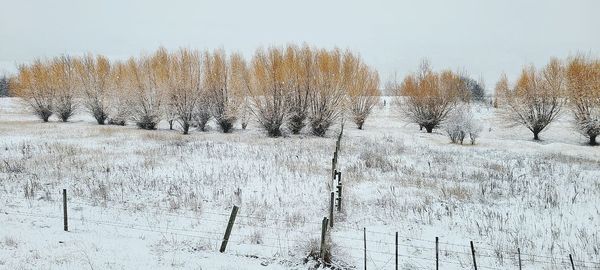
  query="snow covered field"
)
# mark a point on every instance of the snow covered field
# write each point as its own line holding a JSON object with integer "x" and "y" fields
{"x": 159, "y": 200}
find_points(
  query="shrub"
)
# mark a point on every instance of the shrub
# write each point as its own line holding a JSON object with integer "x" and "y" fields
{"x": 461, "y": 124}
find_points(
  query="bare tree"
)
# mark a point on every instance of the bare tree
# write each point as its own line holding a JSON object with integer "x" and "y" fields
{"x": 326, "y": 100}
{"x": 184, "y": 86}
{"x": 362, "y": 88}
{"x": 268, "y": 92}
{"x": 427, "y": 98}
{"x": 94, "y": 74}
{"x": 537, "y": 98}
{"x": 34, "y": 86}
{"x": 224, "y": 84}
{"x": 583, "y": 84}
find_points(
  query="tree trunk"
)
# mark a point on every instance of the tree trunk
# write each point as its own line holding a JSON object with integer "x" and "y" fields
{"x": 593, "y": 140}
{"x": 100, "y": 120}
{"x": 186, "y": 128}
{"x": 429, "y": 129}
{"x": 171, "y": 125}
{"x": 360, "y": 125}
{"x": 536, "y": 135}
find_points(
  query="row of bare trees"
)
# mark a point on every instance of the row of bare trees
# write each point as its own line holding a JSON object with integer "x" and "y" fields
{"x": 538, "y": 97}
{"x": 290, "y": 86}
{"x": 534, "y": 101}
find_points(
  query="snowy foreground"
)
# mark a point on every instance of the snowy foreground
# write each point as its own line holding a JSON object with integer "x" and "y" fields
{"x": 160, "y": 200}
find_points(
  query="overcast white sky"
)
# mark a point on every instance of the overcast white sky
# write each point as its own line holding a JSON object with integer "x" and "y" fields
{"x": 484, "y": 38}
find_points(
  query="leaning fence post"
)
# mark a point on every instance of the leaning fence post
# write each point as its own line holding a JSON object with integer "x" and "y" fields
{"x": 572, "y": 264}
{"x": 331, "y": 206}
{"x": 437, "y": 257}
{"x": 473, "y": 253}
{"x": 365, "y": 245}
{"x": 519, "y": 253}
{"x": 65, "y": 222}
{"x": 323, "y": 234}
{"x": 229, "y": 227}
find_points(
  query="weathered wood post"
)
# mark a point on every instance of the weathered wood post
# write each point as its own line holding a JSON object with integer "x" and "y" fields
{"x": 473, "y": 253}
{"x": 519, "y": 253}
{"x": 229, "y": 228}
{"x": 66, "y": 220}
{"x": 323, "y": 235}
{"x": 437, "y": 257}
{"x": 396, "y": 250}
{"x": 365, "y": 245}
{"x": 331, "y": 206}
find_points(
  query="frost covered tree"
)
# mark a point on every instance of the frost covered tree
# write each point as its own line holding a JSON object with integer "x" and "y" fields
{"x": 326, "y": 99}
{"x": 426, "y": 98}
{"x": 267, "y": 89}
{"x": 149, "y": 76}
{"x": 224, "y": 83}
{"x": 536, "y": 99}
{"x": 583, "y": 85}
{"x": 461, "y": 124}
{"x": 362, "y": 88}
{"x": 184, "y": 87}
{"x": 35, "y": 88}
{"x": 94, "y": 76}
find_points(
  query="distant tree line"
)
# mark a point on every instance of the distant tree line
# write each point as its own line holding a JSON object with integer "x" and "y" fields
{"x": 282, "y": 87}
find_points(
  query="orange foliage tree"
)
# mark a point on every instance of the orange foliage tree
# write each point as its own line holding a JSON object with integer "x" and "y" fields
{"x": 583, "y": 86}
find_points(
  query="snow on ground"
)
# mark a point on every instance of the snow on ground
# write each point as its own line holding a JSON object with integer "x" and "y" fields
{"x": 160, "y": 200}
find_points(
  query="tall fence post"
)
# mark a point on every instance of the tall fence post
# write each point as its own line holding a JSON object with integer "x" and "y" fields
{"x": 365, "y": 245}
{"x": 437, "y": 257}
{"x": 229, "y": 227}
{"x": 396, "y": 250}
{"x": 572, "y": 264}
{"x": 473, "y": 253}
{"x": 519, "y": 253}
{"x": 323, "y": 234}
{"x": 66, "y": 220}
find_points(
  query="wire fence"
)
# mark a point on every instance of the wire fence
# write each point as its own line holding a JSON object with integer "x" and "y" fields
{"x": 348, "y": 249}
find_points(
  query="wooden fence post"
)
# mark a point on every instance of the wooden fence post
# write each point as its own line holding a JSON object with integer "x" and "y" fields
{"x": 331, "y": 206}
{"x": 519, "y": 253}
{"x": 437, "y": 257}
{"x": 339, "y": 191}
{"x": 572, "y": 264}
{"x": 65, "y": 222}
{"x": 323, "y": 234}
{"x": 365, "y": 245}
{"x": 229, "y": 227}
{"x": 396, "y": 250}
{"x": 473, "y": 253}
